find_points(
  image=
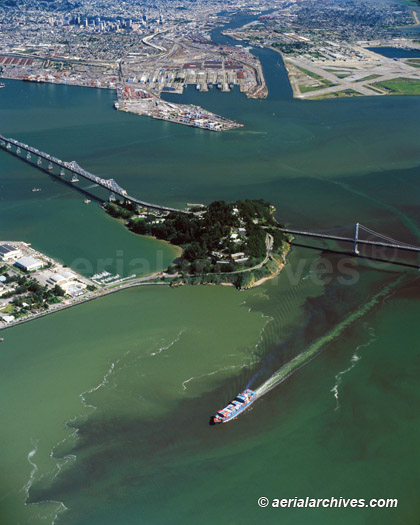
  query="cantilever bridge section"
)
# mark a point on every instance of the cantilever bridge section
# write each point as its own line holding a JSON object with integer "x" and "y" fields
{"x": 17, "y": 148}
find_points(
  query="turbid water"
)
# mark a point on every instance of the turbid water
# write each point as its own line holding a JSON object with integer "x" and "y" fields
{"x": 105, "y": 407}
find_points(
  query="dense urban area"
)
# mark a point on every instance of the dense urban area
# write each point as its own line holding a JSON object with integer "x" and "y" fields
{"x": 142, "y": 51}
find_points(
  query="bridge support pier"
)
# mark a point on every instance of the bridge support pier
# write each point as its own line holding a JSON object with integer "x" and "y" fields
{"x": 356, "y": 236}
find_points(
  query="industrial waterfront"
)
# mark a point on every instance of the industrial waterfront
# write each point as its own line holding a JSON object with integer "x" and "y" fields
{"x": 117, "y": 392}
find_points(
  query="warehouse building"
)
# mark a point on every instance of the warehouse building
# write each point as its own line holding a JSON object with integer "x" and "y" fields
{"x": 9, "y": 252}
{"x": 29, "y": 264}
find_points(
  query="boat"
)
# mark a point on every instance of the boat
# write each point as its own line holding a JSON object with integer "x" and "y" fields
{"x": 2, "y": 85}
{"x": 36, "y": 189}
{"x": 87, "y": 201}
{"x": 235, "y": 407}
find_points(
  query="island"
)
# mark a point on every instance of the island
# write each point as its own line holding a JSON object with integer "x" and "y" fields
{"x": 238, "y": 243}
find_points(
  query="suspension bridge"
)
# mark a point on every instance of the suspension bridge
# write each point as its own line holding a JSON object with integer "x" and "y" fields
{"x": 356, "y": 240}
{"x": 45, "y": 161}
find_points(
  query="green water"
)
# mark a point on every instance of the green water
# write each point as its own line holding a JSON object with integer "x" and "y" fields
{"x": 105, "y": 406}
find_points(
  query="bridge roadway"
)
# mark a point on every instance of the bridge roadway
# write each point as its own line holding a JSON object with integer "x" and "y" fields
{"x": 351, "y": 239}
{"x": 73, "y": 167}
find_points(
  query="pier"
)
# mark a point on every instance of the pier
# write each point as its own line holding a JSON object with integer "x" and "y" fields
{"x": 33, "y": 155}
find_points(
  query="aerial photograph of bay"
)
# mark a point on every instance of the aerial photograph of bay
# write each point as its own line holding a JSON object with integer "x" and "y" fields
{"x": 209, "y": 262}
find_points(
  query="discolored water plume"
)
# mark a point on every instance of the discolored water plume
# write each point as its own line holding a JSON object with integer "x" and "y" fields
{"x": 300, "y": 360}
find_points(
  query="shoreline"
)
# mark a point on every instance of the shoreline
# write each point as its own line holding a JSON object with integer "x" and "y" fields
{"x": 280, "y": 267}
{"x": 105, "y": 293}
{"x": 86, "y": 300}
{"x": 181, "y": 277}
{"x": 148, "y": 281}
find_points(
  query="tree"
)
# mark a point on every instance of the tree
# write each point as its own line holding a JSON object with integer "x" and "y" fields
{"x": 171, "y": 269}
{"x": 58, "y": 291}
{"x": 194, "y": 251}
{"x": 36, "y": 288}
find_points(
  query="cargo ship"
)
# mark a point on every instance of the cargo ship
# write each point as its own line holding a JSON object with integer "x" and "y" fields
{"x": 235, "y": 407}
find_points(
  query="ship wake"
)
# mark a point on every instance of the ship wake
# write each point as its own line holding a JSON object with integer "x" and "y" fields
{"x": 313, "y": 350}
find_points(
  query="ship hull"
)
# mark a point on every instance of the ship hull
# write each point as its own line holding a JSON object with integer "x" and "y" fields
{"x": 232, "y": 417}
{"x": 235, "y": 408}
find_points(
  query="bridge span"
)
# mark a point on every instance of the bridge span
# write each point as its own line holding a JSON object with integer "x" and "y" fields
{"x": 19, "y": 149}
{"x": 385, "y": 242}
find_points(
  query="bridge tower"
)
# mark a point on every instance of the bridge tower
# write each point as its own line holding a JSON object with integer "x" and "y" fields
{"x": 356, "y": 237}
{"x": 111, "y": 197}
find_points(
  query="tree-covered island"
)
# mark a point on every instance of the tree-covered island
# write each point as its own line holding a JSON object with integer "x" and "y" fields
{"x": 239, "y": 243}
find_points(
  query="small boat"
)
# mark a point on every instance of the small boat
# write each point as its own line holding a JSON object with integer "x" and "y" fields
{"x": 36, "y": 189}
{"x": 235, "y": 407}
{"x": 86, "y": 201}
{"x": 2, "y": 85}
